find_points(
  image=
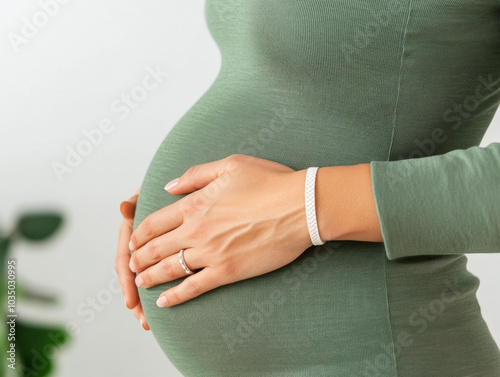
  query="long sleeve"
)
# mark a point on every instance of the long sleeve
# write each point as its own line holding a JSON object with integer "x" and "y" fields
{"x": 441, "y": 204}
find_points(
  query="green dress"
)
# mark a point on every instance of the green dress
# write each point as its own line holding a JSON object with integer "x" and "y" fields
{"x": 409, "y": 86}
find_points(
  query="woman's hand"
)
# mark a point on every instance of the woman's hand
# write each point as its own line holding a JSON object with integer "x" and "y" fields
{"x": 245, "y": 217}
{"x": 125, "y": 276}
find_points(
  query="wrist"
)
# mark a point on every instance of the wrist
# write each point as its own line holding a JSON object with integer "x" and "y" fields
{"x": 345, "y": 205}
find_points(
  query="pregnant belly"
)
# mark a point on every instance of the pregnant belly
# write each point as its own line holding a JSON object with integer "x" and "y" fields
{"x": 331, "y": 312}
{"x": 298, "y": 320}
{"x": 321, "y": 315}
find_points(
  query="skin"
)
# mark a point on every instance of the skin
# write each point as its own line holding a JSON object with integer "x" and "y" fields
{"x": 126, "y": 278}
{"x": 244, "y": 216}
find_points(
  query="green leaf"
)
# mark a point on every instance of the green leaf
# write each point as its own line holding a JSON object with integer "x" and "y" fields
{"x": 4, "y": 248}
{"x": 36, "y": 346}
{"x": 38, "y": 226}
{"x": 4, "y": 245}
{"x": 29, "y": 293}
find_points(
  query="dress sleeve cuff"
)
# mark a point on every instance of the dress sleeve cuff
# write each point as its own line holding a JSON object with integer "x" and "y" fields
{"x": 442, "y": 204}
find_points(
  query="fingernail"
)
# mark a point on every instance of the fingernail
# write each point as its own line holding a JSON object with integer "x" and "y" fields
{"x": 139, "y": 281}
{"x": 161, "y": 302}
{"x": 132, "y": 265}
{"x": 131, "y": 246}
{"x": 142, "y": 323}
{"x": 171, "y": 184}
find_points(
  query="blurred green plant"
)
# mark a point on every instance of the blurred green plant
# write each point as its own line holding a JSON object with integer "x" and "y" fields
{"x": 35, "y": 344}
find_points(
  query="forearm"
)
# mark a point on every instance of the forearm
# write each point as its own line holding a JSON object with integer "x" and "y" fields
{"x": 345, "y": 204}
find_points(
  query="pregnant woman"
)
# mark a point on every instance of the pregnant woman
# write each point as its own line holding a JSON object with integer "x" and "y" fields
{"x": 237, "y": 274}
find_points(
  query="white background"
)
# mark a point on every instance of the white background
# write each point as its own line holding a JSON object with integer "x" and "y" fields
{"x": 64, "y": 80}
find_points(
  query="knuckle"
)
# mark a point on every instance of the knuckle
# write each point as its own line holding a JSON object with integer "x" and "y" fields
{"x": 133, "y": 238}
{"x": 191, "y": 231}
{"x": 201, "y": 231}
{"x": 234, "y": 157}
{"x": 197, "y": 202}
{"x": 235, "y": 161}
{"x": 135, "y": 259}
{"x": 229, "y": 269}
{"x": 189, "y": 207}
{"x": 192, "y": 170}
{"x": 176, "y": 297}
{"x": 193, "y": 287}
{"x": 153, "y": 250}
{"x": 167, "y": 267}
{"x": 148, "y": 226}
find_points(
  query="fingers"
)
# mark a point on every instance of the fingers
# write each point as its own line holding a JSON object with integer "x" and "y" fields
{"x": 169, "y": 269}
{"x": 193, "y": 286}
{"x": 198, "y": 176}
{"x": 156, "y": 250}
{"x": 127, "y": 210}
{"x": 127, "y": 207}
{"x": 171, "y": 216}
{"x": 139, "y": 314}
{"x": 156, "y": 224}
{"x": 126, "y": 278}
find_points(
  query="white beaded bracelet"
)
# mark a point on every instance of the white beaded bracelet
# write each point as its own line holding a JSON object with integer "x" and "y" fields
{"x": 311, "y": 206}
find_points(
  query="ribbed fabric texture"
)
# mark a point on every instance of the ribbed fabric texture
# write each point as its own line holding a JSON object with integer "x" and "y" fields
{"x": 447, "y": 204}
{"x": 410, "y": 87}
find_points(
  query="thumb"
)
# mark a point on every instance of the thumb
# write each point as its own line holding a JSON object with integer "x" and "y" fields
{"x": 197, "y": 177}
{"x": 127, "y": 210}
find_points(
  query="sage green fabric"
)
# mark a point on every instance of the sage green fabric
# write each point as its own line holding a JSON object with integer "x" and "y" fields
{"x": 408, "y": 86}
